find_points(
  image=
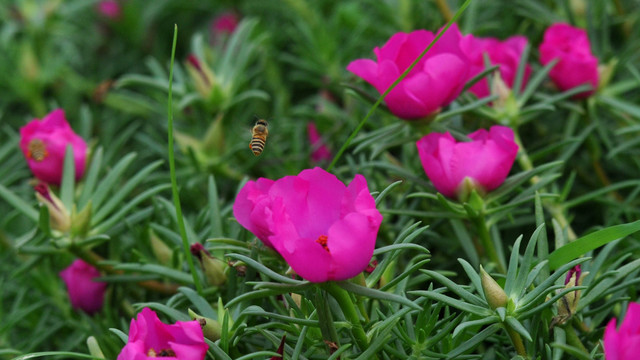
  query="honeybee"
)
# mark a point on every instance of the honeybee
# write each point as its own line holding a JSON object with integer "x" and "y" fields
{"x": 259, "y": 137}
{"x": 36, "y": 150}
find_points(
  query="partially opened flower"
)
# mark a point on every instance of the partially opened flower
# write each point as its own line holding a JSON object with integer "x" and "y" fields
{"x": 84, "y": 292}
{"x": 624, "y": 343}
{"x": 150, "y": 338}
{"x": 506, "y": 54}
{"x": 322, "y": 228}
{"x": 483, "y": 163}
{"x": 576, "y": 64}
{"x": 44, "y": 142}
{"x": 432, "y": 84}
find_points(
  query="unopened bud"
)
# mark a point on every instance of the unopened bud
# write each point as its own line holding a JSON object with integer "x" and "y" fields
{"x": 160, "y": 250}
{"x": 568, "y": 304}
{"x": 605, "y": 72}
{"x": 94, "y": 348}
{"x": 493, "y": 292}
{"x": 58, "y": 214}
{"x": 212, "y": 267}
{"x": 500, "y": 88}
{"x": 203, "y": 77}
{"x": 211, "y": 329}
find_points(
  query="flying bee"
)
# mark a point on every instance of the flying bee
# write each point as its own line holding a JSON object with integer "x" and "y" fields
{"x": 259, "y": 137}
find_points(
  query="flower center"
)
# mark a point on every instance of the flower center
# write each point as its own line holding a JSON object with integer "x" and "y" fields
{"x": 162, "y": 353}
{"x": 36, "y": 150}
{"x": 322, "y": 240}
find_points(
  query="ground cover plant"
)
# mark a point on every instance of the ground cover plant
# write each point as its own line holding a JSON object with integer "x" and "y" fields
{"x": 323, "y": 179}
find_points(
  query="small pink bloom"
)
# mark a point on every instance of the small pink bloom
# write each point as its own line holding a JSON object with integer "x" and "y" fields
{"x": 322, "y": 228}
{"x": 432, "y": 84}
{"x": 623, "y": 344}
{"x": 44, "y": 142}
{"x": 506, "y": 54}
{"x": 151, "y": 338}
{"x": 223, "y": 26}
{"x": 485, "y": 161}
{"x": 576, "y": 65}
{"x": 85, "y": 293}
{"x": 319, "y": 151}
{"x": 110, "y": 9}
{"x": 576, "y": 270}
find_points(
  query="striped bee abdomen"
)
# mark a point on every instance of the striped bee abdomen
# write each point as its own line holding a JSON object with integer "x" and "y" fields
{"x": 259, "y": 137}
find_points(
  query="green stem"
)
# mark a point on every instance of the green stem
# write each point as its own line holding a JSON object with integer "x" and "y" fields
{"x": 487, "y": 242}
{"x": 556, "y": 210}
{"x": 517, "y": 341}
{"x": 350, "y": 312}
{"x": 574, "y": 340}
{"x": 172, "y": 170}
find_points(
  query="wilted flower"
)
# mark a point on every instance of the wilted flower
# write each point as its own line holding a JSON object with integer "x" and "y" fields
{"x": 110, "y": 9}
{"x": 85, "y": 293}
{"x": 322, "y": 228}
{"x": 44, "y": 142}
{"x": 319, "y": 151}
{"x": 623, "y": 344}
{"x": 432, "y": 84}
{"x": 576, "y": 64}
{"x": 506, "y": 54}
{"x": 483, "y": 163}
{"x": 149, "y": 338}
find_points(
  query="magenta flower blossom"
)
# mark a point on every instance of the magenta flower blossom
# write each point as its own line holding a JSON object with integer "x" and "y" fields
{"x": 506, "y": 54}
{"x": 151, "y": 338}
{"x": 322, "y": 228}
{"x": 485, "y": 161}
{"x": 109, "y": 9}
{"x": 84, "y": 292}
{"x": 223, "y": 26}
{"x": 623, "y": 344}
{"x": 432, "y": 84}
{"x": 319, "y": 151}
{"x": 576, "y": 64}
{"x": 44, "y": 142}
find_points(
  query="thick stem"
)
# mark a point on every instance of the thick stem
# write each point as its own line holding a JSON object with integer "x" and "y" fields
{"x": 556, "y": 210}
{"x": 517, "y": 341}
{"x": 487, "y": 243}
{"x": 350, "y": 312}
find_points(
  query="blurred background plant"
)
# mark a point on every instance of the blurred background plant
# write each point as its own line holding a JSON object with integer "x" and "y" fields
{"x": 285, "y": 61}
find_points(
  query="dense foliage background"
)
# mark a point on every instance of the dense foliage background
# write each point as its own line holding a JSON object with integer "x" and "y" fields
{"x": 285, "y": 62}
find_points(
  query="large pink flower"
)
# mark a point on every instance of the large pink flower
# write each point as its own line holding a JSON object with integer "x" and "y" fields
{"x": 485, "y": 161}
{"x": 322, "y": 228}
{"x": 44, "y": 142}
{"x": 576, "y": 64}
{"x": 623, "y": 344}
{"x": 151, "y": 338}
{"x": 433, "y": 83}
{"x": 84, "y": 292}
{"x": 506, "y": 54}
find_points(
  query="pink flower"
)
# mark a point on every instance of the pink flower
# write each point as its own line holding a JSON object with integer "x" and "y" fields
{"x": 44, "y": 142}
{"x": 85, "y": 293}
{"x": 432, "y": 84}
{"x": 150, "y": 338}
{"x": 109, "y": 9}
{"x": 322, "y": 228}
{"x": 623, "y": 344}
{"x": 485, "y": 161}
{"x": 319, "y": 151}
{"x": 576, "y": 65}
{"x": 223, "y": 26}
{"x": 506, "y": 54}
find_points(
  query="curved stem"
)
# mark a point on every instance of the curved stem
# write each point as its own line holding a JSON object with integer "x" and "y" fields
{"x": 487, "y": 243}
{"x": 350, "y": 312}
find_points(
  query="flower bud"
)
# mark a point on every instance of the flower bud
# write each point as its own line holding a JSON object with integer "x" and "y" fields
{"x": 211, "y": 329}
{"x": 160, "y": 250}
{"x": 203, "y": 77}
{"x": 212, "y": 267}
{"x": 493, "y": 292}
{"x": 568, "y": 304}
{"x": 94, "y": 348}
{"x": 58, "y": 214}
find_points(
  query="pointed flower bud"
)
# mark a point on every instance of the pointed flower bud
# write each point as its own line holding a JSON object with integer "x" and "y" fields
{"x": 203, "y": 77}
{"x": 160, "y": 250}
{"x": 210, "y": 328}
{"x": 568, "y": 304}
{"x": 212, "y": 267}
{"x": 94, "y": 348}
{"x": 58, "y": 214}
{"x": 493, "y": 292}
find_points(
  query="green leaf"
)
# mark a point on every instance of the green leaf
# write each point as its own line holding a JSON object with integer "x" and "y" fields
{"x": 56, "y": 353}
{"x": 199, "y": 302}
{"x": 377, "y": 294}
{"x": 215, "y": 218}
{"x": 91, "y": 179}
{"x": 68, "y": 178}
{"x": 461, "y": 305}
{"x": 264, "y": 270}
{"x": 19, "y": 204}
{"x": 109, "y": 181}
{"x": 159, "y": 270}
{"x": 590, "y": 242}
{"x": 455, "y": 288}
{"x": 473, "y": 342}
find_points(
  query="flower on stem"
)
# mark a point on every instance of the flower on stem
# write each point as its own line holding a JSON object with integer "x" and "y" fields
{"x": 435, "y": 81}
{"x": 149, "y": 337}
{"x": 319, "y": 150}
{"x": 576, "y": 64}
{"x": 455, "y": 168}
{"x": 506, "y": 54}
{"x": 44, "y": 142}
{"x": 84, "y": 292}
{"x": 322, "y": 228}
{"x": 623, "y": 344}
